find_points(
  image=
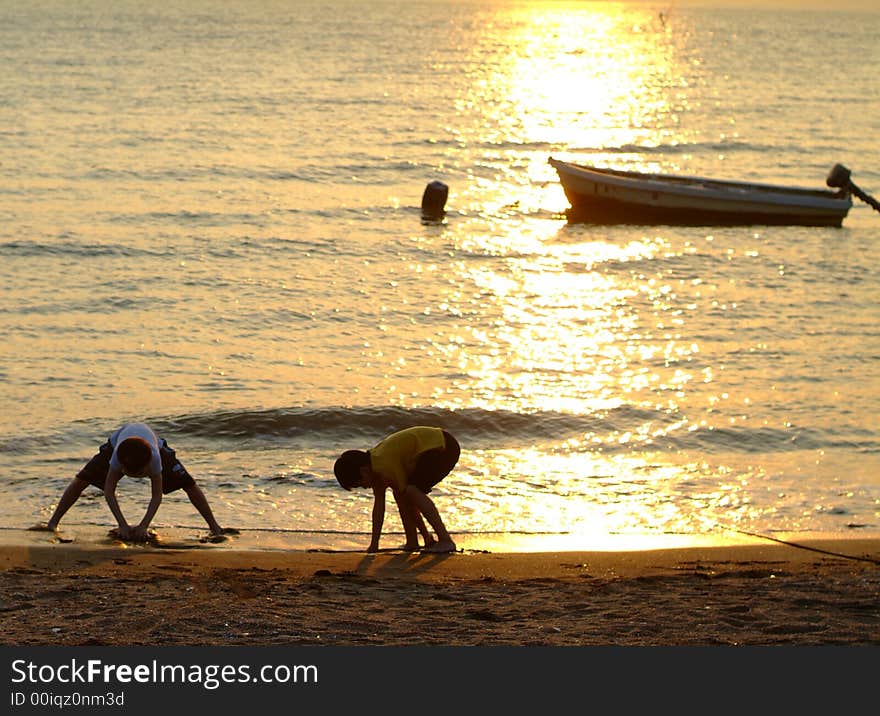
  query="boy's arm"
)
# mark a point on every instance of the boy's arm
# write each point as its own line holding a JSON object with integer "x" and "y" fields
{"x": 110, "y": 495}
{"x": 378, "y": 515}
{"x": 140, "y": 531}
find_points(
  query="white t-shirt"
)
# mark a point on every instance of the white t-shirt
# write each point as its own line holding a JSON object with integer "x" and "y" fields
{"x": 137, "y": 430}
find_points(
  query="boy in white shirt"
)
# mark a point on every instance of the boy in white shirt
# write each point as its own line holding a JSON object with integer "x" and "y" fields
{"x": 136, "y": 451}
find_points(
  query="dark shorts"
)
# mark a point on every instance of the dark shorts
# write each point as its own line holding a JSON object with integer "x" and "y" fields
{"x": 174, "y": 474}
{"x": 433, "y": 465}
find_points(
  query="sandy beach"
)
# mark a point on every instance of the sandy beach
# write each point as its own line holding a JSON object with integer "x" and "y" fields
{"x": 731, "y": 592}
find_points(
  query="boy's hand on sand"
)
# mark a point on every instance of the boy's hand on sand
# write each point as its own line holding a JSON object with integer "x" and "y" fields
{"x": 123, "y": 533}
{"x": 139, "y": 534}
{"x": 134, "y": 534}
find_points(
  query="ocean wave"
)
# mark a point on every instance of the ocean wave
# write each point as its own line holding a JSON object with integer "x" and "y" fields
{"x": 620, "y": 430}
{"x": 677, "y": 148}
{"x": 376, "y": 421}
{"x": 74, "y": 248}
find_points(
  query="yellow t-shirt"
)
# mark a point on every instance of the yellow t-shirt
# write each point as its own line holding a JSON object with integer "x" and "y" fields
{"x": 395, "y": 457}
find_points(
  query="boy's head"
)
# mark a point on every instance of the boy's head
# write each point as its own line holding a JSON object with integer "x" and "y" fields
{"x": 347, "y": 468}
{"x": 134, "y": 454}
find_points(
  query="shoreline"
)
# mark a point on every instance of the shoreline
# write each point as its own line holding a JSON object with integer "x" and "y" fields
{"x": 192, "y": 537}
{"x": 735, "y": 590}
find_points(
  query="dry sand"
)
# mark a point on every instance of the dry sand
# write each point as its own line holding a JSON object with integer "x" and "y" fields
{"x": 753, "y": 592}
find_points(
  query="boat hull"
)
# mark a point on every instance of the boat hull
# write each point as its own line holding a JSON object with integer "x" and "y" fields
{"x": 614, "y": 197}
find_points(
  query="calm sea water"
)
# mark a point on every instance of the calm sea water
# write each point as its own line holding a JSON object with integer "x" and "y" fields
{"x": 209, "y": 220}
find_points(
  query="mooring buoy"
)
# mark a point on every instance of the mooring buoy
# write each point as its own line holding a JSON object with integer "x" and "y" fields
{"x": 434, "y": 200}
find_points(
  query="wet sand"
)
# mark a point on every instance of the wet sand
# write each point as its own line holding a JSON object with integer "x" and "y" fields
{"x": 724, "y": 591}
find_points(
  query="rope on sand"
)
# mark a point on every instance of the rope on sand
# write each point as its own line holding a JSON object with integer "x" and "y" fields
{"x": 854, "y": 557}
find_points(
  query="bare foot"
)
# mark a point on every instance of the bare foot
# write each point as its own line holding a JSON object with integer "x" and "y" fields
{"x": 222, "y": 535}
{"x": 42, "y": 527}
{"x": 410, "y": 547}
{"x": 440, "y": 547}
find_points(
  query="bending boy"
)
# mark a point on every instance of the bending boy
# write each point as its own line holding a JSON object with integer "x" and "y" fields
{"x": 410, "y": 462}
{"x": 136, "y": 451}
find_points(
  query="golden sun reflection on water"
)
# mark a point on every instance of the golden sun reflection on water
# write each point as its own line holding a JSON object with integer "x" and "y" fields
{"x": 563, "y": 335}
{"x": 568, "y": 327}
{"x": 628, "y": 326}
{"x": 599, "y": 80}
{"x": 604, "y": 67}
{"x": 587, "y": 76}
{"x": 603, "y": 502}
{"x": 569, "y": 336}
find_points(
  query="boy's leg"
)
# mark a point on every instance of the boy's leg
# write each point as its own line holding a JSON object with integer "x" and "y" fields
{"x": 420, "y": 525}
{"x": 176, "y": 477}
{"x": 200, "y": 502}
{"x": 423, "y": 528}
{"x": 426, "y": 506}
{"x": 431, "y": 467}
{"x": 68, "y": 499}
{"x": 93, "y": 473}
{"x": 410, "y": 519}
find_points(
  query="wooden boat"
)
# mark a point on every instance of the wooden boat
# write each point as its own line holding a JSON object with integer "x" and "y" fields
{"x": 610, "y": 196}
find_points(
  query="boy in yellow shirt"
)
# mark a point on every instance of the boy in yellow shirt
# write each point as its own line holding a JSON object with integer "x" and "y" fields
{"x": 410, "y": 462}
